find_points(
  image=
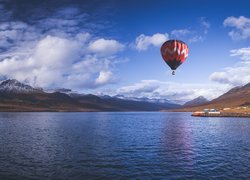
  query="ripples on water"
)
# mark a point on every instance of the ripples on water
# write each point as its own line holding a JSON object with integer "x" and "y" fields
{"x": 122, "y": 145}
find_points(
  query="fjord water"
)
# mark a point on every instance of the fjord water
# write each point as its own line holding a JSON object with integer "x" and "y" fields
{"x": 116, "y": 145}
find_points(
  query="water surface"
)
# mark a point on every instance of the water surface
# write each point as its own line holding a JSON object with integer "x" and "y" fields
{"x": 122, "y": 145}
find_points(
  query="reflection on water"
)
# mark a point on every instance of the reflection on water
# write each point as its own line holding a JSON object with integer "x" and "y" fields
{"x": 178, "y": 140}
{"x": 122, "y": 145}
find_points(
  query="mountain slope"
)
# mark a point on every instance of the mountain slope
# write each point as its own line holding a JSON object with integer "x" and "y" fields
{"x": 236, "y": 97}
{"x": 239, "y": 96}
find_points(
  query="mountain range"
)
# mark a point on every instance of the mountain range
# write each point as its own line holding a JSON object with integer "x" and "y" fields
{"x": 16, "y": 96}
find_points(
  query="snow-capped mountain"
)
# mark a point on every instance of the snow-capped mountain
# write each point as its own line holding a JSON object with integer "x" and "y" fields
{"x": 14, "y": 86}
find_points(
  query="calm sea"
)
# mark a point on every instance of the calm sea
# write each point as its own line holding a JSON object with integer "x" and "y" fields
{"x": 117, "y": 145}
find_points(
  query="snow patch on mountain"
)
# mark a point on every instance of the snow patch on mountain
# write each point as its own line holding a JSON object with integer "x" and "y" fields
{"x": 14, "y": 86}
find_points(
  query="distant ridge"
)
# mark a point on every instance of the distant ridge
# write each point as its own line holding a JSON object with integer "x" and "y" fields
{"x": 195, "y": 102}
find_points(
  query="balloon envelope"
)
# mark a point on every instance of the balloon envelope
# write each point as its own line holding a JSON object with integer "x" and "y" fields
{"x": 174, "y": 53}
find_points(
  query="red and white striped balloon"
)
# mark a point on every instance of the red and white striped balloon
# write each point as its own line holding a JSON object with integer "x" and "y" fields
{"x": 174, "y": 53}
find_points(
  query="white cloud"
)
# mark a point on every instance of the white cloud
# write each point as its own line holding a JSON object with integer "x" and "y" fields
{"x": 187, "y": 35}
{"x": 56, "y": 52}
{"x": 59, "y": 62}
{"x": 237, "y": 75}
{"x": 143, "y": 42}
{"x": 243, "y": 53}
{"x": 192, "y": 34}
{"x": 83, "y": 37}
{"x": 104, "y": 78}
{"x": 196, "y": 39}
{"x": 241, "y": 27}
{"x": 205, "y": 24}
{"x": 105, "y": 46}
{"x": 239, "y": 22}
{"x": 14, "y": 34}
{"x": 178, "y": 33}
{"x": 172, "y": 91}
{"x": 145, "y": 86}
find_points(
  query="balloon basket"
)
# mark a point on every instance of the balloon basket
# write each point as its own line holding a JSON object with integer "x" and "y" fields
{"x": 173, "y": 72}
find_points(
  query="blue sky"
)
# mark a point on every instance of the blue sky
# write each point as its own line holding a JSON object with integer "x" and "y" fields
{"x": 113, "y": 47}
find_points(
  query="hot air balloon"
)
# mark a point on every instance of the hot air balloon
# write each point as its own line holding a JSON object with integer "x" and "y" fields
{"x": 174, "y": 53}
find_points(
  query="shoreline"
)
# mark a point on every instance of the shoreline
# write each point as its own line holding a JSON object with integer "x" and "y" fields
{"x": 244, "y": 115}
{"x": 222, "y": 114}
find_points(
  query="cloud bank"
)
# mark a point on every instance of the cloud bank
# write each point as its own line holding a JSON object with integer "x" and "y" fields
{"x": 176, "y": 92}
{"x": 56, "y": 61}
{"x": 56, "y": 48}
